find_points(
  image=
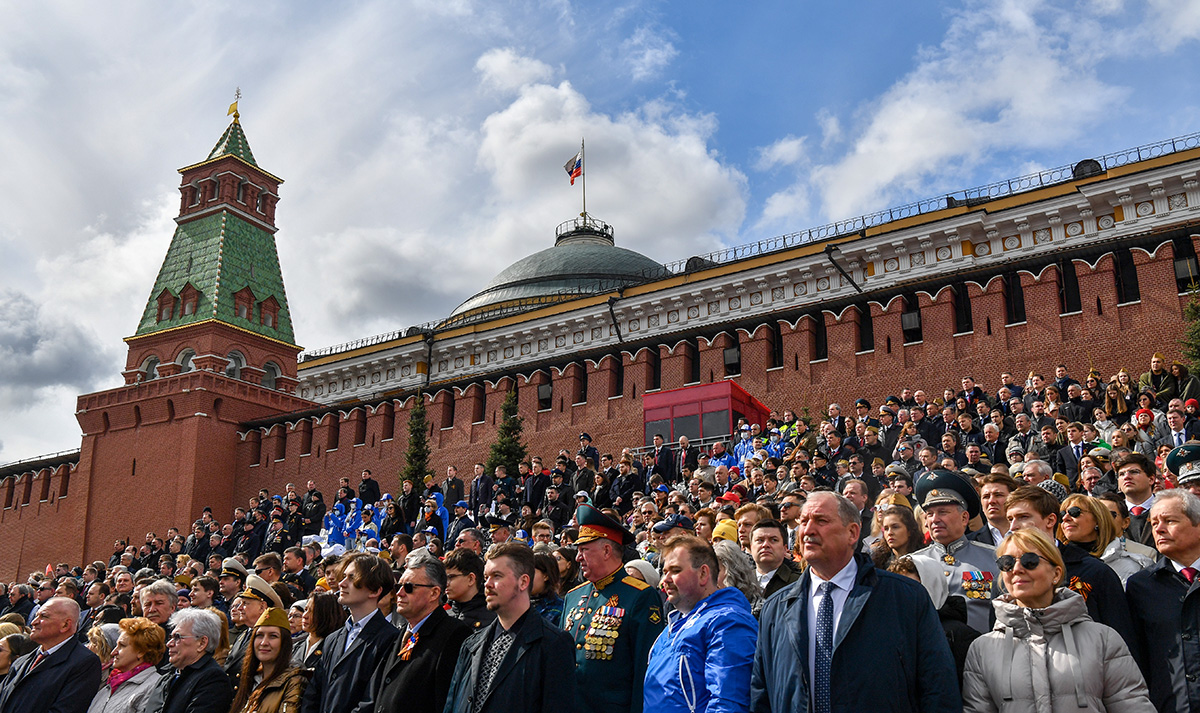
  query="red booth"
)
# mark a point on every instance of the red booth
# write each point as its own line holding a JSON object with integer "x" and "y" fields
{"x": 700, "y": 412}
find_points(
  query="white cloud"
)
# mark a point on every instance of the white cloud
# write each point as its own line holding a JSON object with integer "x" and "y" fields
{"x": 647, "y": 53}
{"x": 787, "y": 151}
{"x": 506, "y": 70}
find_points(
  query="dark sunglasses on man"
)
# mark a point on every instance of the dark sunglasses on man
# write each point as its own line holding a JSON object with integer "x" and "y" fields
{"x": 408, "y": 587}
{"x": 1028, "y": 560}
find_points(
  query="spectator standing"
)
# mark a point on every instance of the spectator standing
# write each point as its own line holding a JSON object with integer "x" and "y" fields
{"x": 342, "y": 676}
{"x": 1046, "y": 653}
{"x": 702, "y": 659}
{"x": 452, "y": 486}
{"x": 61, "y": 675}
{"x": 613, "y": 619}
{"x": 415, "y": 676}
{"x": 197, "y": 684}
{"x": 515, "y": 663}
{"x": 797, "y": 666}
{"x": 1165, "y": 604}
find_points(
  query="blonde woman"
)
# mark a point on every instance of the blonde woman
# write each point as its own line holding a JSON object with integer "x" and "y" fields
{"x": 1087, "y": 522}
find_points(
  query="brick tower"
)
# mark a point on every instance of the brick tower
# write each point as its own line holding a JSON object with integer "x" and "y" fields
{"x": 214, "y": 348}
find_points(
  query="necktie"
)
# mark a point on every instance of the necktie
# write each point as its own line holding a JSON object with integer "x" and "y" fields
{"x": 1178, "y": 439}
{"x": 1137, "y": 511}
{"x": 824, "y": 653}
{"x": 1189, "y": 573}
{"x": 42, "y": 654}
{"x": 1078, "y": 452}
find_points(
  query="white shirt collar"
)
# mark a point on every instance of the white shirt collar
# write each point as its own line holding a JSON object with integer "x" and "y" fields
{"x": 844, "y": 579}
{"x": 361, "y": 622}
{"x": 1149, "y": 501}
{"x": 57, "y": 646}
{"x": 1179, "y": 567}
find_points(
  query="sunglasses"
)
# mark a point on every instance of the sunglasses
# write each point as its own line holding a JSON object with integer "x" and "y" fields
{"x": 1074, "y": 511}
{"x": 408, "y": 587}
{"x": 1028, "y": 560}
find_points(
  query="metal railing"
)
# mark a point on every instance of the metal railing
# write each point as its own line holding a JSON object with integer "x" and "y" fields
{"x": 38, "y": 459}
{"x": 842, "y": 228}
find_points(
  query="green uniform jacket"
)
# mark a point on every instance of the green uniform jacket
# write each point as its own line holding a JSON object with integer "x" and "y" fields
{"x": 614, "y": 622}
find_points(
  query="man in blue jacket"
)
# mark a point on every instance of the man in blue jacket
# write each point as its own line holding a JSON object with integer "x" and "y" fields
{"x": 847, "y": 637}
{"x": 702, "y": 660}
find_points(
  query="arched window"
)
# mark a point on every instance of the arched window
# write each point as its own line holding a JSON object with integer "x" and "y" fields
{"x": 185, "y": 360}
{"x": 236, "y": 362}
{"x": 150, "y": 368}
{"x": 271, "y": 373}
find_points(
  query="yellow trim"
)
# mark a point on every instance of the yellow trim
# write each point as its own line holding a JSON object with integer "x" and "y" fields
{"x": 635, "y": 583}
{"x": 1118, "y": 213}
{"x": 233, "y": 156}
{"x": 999, "y": 204}
{"x": 870, "y": 268}
{"x": 136, "y": 337}
{"x": 968, "y": 247}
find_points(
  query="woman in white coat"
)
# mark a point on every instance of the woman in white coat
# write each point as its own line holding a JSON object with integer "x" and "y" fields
{"x": 139, "y": 647}
{"x": 1045, "y": 654}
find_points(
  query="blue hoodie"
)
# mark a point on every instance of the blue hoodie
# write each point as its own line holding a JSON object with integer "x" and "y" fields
{"x": 335, "y": 520}
{"x": 704, "y": 658}
{"x": 442, "y": 511}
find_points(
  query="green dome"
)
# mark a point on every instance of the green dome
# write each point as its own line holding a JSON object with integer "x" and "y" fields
{"x": 584, "y": 261}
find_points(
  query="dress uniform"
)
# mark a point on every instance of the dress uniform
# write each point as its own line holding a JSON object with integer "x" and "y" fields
{"x": 968, "y": 566}
{"x": 1184, "y": 463}
{"x": 614, "y": 622}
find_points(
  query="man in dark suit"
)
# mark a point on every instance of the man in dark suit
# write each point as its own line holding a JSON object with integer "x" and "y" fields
{"x": 798, "y": 661}
{"x": 368, "y": 489}
{"x": 61, "y": 675}
{"x": 452, "y": 486}
{"x": 1164, "y": 601}
{"x": 1135, "y": 479}
{"x": 352, "y": 653}
{"x": 1069, "y": 455}
{"x": 768, "y": 547}
{"x": 481, "y": 490}
{"x": 686, "y": 456}
{"x": 196, "y": 684}
{"x": 1179, "y": 430}
{"x": 415, "y": 675}
{"x": 516, "y": 663}
{"x": 664, "y": 461}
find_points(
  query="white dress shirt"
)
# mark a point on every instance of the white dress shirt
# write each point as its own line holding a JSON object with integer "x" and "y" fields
{"x": 354, "y": 628}
{"x": 843, "y": 584}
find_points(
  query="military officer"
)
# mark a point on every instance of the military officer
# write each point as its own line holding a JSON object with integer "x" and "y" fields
{"x": 950, "y": 501}
{"x": 613, "y": 618}
{"x": 1184, "y": 463}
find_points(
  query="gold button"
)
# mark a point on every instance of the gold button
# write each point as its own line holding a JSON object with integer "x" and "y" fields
{"x": 946, "y": 573}
{"x": 579, "y": 646}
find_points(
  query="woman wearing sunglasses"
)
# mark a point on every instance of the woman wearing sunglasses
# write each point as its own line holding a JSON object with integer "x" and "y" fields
{"x": 1087, "y": 522}
{"x": 268, "y": 682}
{"x": 1045, "y": 647}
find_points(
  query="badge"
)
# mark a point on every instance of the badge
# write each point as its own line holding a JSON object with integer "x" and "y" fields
{"x": 949, "y": 559}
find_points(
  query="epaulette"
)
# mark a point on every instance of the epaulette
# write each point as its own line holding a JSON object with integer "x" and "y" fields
{"x": 579, "y": 587}
{"x": 635, "y": 582}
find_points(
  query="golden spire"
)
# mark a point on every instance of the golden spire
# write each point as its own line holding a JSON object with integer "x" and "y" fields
{"x": 233, "y": 108}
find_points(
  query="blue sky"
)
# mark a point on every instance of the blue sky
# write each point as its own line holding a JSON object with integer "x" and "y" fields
{"x": 422, "y": 141}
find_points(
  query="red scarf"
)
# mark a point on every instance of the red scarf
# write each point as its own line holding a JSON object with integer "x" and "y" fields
{"x": 116, "y": 678}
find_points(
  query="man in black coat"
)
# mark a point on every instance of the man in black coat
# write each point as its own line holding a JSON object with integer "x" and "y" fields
{"x": 368, "y": 489}
{"x": 415, "y": 675}
{"x": 342, "y": 678}
{"x": 1164, "y": 600}
{"x": 197, "y": 685}
{"x": 61, "y": 675}
{"x": 516, "y": 663}
{"x": 313, "y": 508}
{"x": 481, "y": 490}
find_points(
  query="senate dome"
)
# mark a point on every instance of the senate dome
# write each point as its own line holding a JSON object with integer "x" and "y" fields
{"x": 584, "y": 261}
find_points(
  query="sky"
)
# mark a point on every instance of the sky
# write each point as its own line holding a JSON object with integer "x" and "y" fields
{"x": 422, "y": 141}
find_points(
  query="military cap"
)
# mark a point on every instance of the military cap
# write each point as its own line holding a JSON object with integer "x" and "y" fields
{"x": 595, "y": 525}
{"x": 585, "y": 436}
{"x": 897, "y": 469}
{"x": 496, "y": 522}
{"x": 862, "y": 402}
{"x": 273, "y": 617}
{"x": 231, "y": 567}
{"x": 257, "y": 588}
{"x": 1184, "y": 462}
{"x": 940, "y": 487}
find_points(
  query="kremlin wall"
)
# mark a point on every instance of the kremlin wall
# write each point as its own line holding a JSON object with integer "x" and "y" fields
{"x": 1083, "y": 265}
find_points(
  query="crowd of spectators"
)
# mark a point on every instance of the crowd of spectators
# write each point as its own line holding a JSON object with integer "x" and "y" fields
{"x": 1029, "y": 543}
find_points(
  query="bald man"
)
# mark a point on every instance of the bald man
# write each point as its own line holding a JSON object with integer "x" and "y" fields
{"x": 61, "y": 675}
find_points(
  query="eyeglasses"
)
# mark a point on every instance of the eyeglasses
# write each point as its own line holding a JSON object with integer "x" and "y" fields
{"x": 408, "y": 587}
{"x": 1028, "y": 560}
{"x": 1074, "y": 511}
{"x": 180, "y": 637}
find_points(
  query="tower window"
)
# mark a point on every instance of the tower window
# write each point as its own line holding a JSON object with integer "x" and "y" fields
{"x": 166, "y": 306}
{"x": 243, "y": 303}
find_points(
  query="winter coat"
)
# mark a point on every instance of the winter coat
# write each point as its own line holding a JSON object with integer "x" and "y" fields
{"x": 890, "y": 652}
{"x": 281, "y": 695}
{"x": 1050, "y": 660}
{"x": 130, "y": 696}
{"x": 1166, "y": 616}
{"x": 703, "y": 659}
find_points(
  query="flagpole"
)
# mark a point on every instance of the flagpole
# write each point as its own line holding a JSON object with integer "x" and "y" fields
{"x": 583, "y": 165}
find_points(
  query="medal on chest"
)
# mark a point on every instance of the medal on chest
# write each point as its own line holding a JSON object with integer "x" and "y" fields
{"x": 601, "y": 638}
{"x": 977, "y": 585}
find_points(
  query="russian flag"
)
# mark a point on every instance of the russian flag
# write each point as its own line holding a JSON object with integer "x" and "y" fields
{"x": 574, "y": 167}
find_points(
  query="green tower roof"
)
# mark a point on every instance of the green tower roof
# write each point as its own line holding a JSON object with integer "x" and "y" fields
{"x": 233, "y": 143}
{"x": 219, "y": 255}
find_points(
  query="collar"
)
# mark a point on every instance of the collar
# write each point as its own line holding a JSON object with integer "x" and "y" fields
{"x": 351, "y": 624}
{"x": 56, "y": 647}
{"x": 1179, "y": 567}
{"x": 1149, "y": 501}
{"x": 413, "y": 628}
{"x": 953, "y": 546}
{"x": 603, "y": 582}
{"x": 844, "y": 579}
